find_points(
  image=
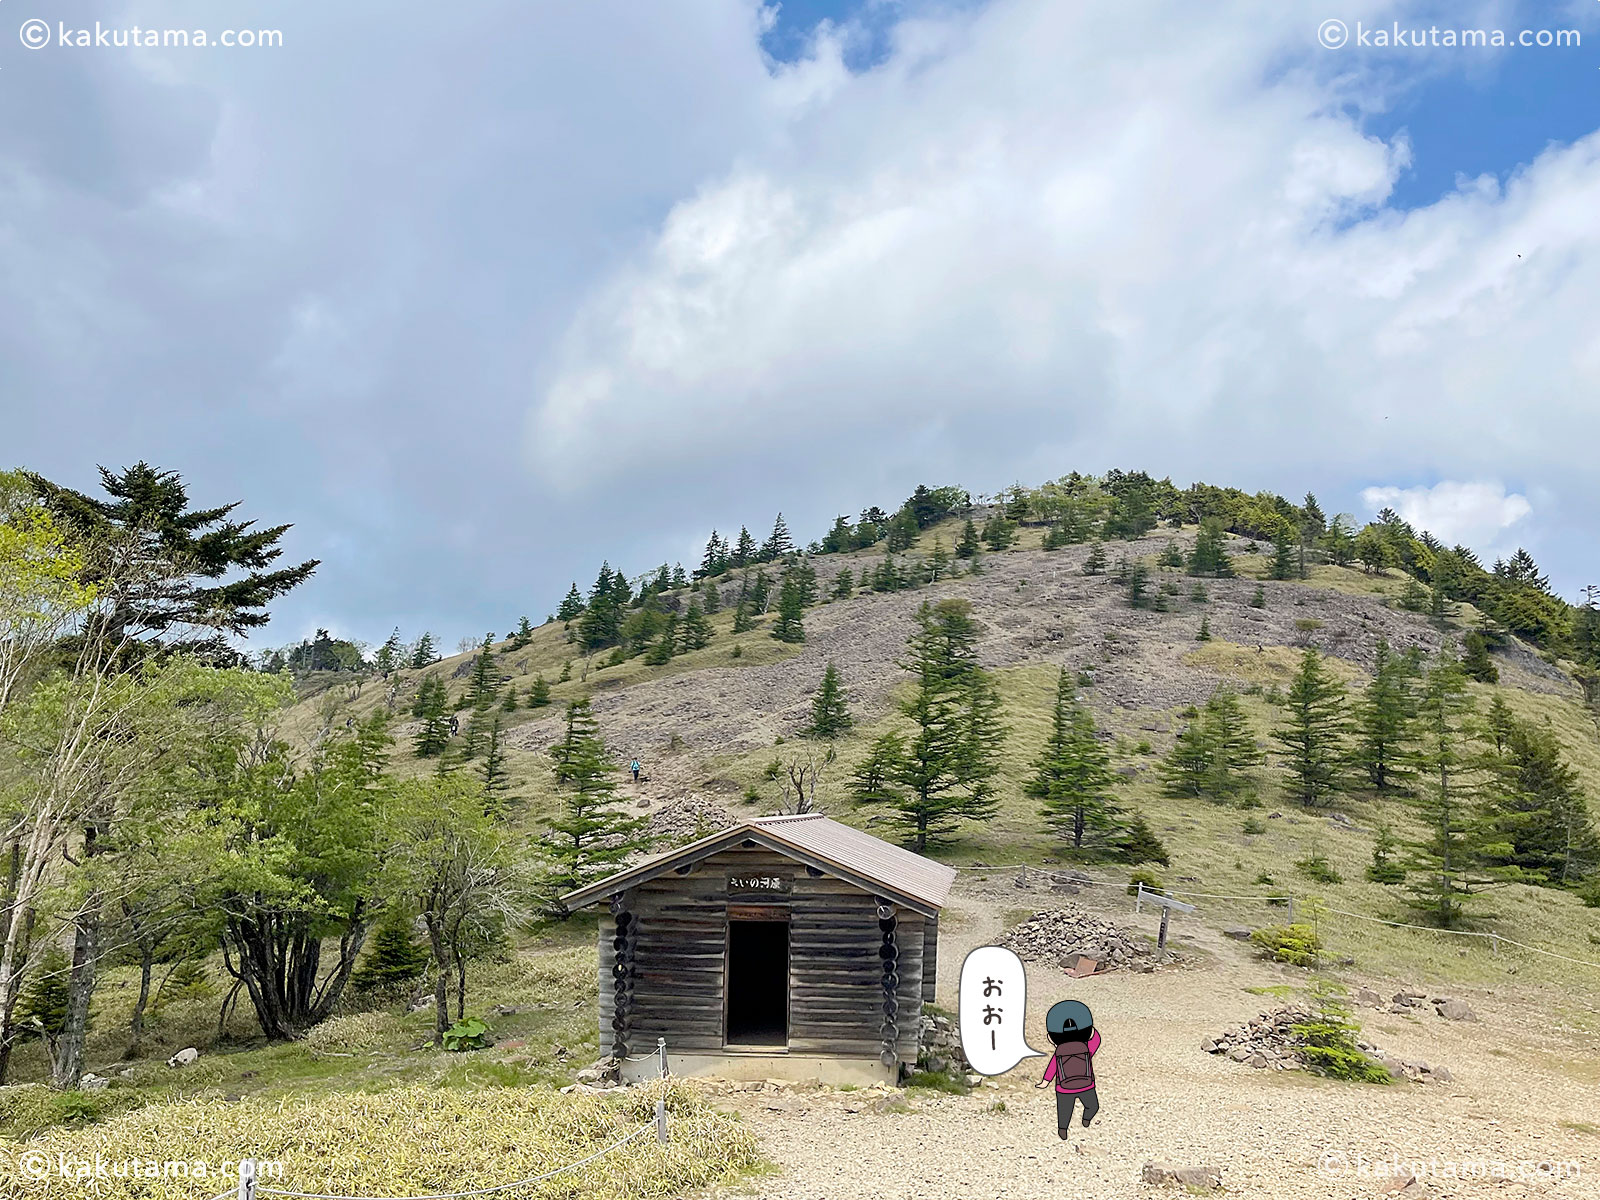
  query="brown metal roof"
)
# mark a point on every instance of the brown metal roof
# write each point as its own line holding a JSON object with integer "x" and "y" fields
{"x": 832, "y": 847}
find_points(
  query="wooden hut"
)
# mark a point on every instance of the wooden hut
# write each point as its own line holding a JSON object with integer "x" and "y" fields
{"x": 782, "y": 947}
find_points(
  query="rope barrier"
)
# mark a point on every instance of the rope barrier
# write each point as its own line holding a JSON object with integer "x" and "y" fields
{"x": 1475, "y": 933}
{"x": 484, "y": 1191}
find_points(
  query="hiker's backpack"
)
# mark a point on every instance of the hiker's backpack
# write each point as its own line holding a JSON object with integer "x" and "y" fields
{"x": 1074, "y": 1069}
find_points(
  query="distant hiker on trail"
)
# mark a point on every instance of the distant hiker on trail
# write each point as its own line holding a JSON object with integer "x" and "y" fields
{"x": 634, "y": 767}
{"x": 1070, "y": 1026}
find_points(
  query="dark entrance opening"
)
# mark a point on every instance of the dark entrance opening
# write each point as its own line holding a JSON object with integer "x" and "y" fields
{"x": 758, "y": 983}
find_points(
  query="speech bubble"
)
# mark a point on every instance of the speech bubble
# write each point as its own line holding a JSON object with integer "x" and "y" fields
{"x": 993, "y": 1005}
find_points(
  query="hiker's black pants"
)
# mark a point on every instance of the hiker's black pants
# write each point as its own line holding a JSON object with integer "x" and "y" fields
{"x": 1064, "y": 1102}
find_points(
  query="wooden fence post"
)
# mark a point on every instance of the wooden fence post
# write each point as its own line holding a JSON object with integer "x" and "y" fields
{"x": 1291, "y": 910}
{"x": 661, "y": 1122}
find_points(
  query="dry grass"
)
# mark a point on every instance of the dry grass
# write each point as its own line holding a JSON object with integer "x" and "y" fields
{"x": 413, "y": 1140}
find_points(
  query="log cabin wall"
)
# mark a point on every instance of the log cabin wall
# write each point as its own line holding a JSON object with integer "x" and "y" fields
{"x": 676, "y": 986}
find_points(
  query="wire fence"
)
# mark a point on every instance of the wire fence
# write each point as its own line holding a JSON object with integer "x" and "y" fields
{"x": 1305, "y": 904}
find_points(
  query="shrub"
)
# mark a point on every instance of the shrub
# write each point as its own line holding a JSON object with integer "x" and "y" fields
{"x": 1589, "y": 893}
{"x": 28, "y": 1109}
{"x": 1298, "y": 945}
{"x": 1317, "y": 867}
{"x": 1151, "y": 881}
{"x": 1252, "y": 827}
{"x": 1141, "y": 845}
{"x": 357, "y": 1032}
{"x": 1328, "y": 1039}
{"x": 773, "y": 770}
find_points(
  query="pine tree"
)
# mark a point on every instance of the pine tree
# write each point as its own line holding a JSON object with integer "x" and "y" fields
{"x": 805, "y": 577}
{"x": 830, "y": 708}
{"x": 1446, "y": 865}
{"x": 1313, "y": 739}
{"x": 1415, "y": 597}
{"x": 482, "y": 689}
{"x": 944, "y": 776}
{"x": 571, "y": 608}
{"x": 999, "y": 533}
{"x": 1284, "y": 565}
{"x": 1072, "y": 777}
{"x": 1186, "y": 768}
{"x": 1538, "y": 814}
{"x": 1141, "y": 845}
{"x": 423, "y": 654}
{"x": 523, "y": 635}
{"x": 968, "y": 547}
{"x": 496, "y": 779}
{"x": 1213, "y": 754}
{"x": 1172, "y": 556}
{"x": 1204, "y": 633}
{"x": 42, "y": 1006}
{"x": 744, "y": 551}
{"x": 760, "y": 592}
{"x": 779, "y": 545}
{"x": 509, "y": 704}
{"x": 843, "y": 584}
{"x": 601, "y": 623}
{"x": 789, "y": 627}
{"x": 1259, "y": 600}
{"x": 566, "y": 672}
{"x": 664, "y": 647}
{"x": 1210, "y": 554}
{"x": 715, "y": 560}
{"x": 1385, "y": 719}
{"x": 539, "y": 693}
{"x": 695, "y": 632}
{"x": 742, "y": 620}
{"x": 1095, "y": 563}
{"x": 390, "y": 655}
{"x": 432, "y": 707}
{"x": 591, "y": 838}
{"x": 1382, "y": 868}
{"x": 1475, "y": 660}
{"x": 874, "y": 781}
{"x": 395, "y": 958}
{"x": 1138, "y": 581}
{"x": 679, "y": 579}
{"x": 712, "y": 597}
{"x": 938, "y": 562}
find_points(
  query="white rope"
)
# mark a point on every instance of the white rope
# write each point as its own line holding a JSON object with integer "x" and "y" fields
{"x": 1493, "y": 937}
{"x": 501, "y": 1187}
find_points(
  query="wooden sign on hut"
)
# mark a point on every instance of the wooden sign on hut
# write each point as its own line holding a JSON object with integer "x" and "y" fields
{"x": 787, "y": 947}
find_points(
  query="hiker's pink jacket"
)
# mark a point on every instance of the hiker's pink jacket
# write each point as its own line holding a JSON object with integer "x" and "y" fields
{"x": 1050, "y": 1067}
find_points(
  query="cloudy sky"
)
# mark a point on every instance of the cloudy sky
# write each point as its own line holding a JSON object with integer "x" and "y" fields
{"x": 477, "y": 294}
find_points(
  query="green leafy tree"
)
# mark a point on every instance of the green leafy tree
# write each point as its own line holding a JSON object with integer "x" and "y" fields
{"x": 1072, "y": 777}
{"x": 999, "y": 533}
{"x": 1327, "y": 1039}
{"x": 590, "y": 837}
{"x": 830, "y": 708}
{"x": 1385, "y": 722}
{"x": 47, "y": 995}
{"x": 1313, "y": 734}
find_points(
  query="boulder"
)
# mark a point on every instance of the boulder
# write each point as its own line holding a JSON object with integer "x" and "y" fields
{"x": 183, "y": 1057}
{"x": 93, "y": 1083}
{"x": 1454, "y": 1010}
{"x": 1194, "y": 1178}
{"x": 1368, "y": 996}
{"x": 1238, "y": 933}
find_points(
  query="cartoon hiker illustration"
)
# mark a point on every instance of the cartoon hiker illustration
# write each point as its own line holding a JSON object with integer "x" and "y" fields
{"x": 1070, "y": 1025}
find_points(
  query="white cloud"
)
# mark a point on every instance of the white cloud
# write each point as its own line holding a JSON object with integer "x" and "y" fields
{"x": 1050, "y": 236}
{"x": 1478, "y": 515}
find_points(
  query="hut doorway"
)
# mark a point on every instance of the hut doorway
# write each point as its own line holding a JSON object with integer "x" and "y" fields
{"x": 758, "y": 983}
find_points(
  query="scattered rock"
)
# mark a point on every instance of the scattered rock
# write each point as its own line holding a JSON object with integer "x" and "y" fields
{"x": 93, "y": 1083}
{"x": 1238, "y": 933}
{"x": 604, "y": 1072}
{"x": 507, "y": 1010}
{"x": 1453, "y": 1010}
{"x": 1368, "y": 996}
{"x": 183, "y": 1057}
{"x": 1202, "y": 1178}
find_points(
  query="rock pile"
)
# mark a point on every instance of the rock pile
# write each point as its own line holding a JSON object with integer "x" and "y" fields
{"x": 1409, "y": 1001}
{"x": 941, "y": 1047}
{"x": 1269, "y": 1041}
{"x": 1063, "y": 935}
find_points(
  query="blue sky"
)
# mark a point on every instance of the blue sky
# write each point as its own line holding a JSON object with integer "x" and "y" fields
{"x": 475, "y": 304}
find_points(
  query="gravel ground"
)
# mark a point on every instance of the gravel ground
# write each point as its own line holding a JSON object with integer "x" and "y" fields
{"x": 1162, "y": 1098}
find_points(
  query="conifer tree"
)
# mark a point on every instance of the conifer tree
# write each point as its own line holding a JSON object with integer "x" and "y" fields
{"x": 805, "y": 576}
{"x": 566, "y": 672}
{"x": 523, "y": 635}
{"x": 968, "y": 546}
{"x": 571, "y": 608}
{"x": 1284, "y": 565}
{"x": 938, "y": 562}
{"x": 1072, "y": 777}
{"x": 591, "y": 838}
{"x": 789, "y": 627}
{"x": 944, "y": 775}
{"x": 744, "y": 552}
{"x": 1447, "y": 864}
{"x": 695, "y": 632}
{"x": 423, "y": 654}
{"x": 482, "y": 689}
{"x": 679, "y": 579}
{"x": 47, "y": 994}
{"x": 843, "y": 584}
{"x": 1259, "y": 599}
{"x": 760, "y": 592}
{"x": 1138, "y": 582}
{"x": 509, "y": 704}
{"x": 1313, "y": 735}
{"x": 601, "y": 622}
{"x": 1204, "y": 632}
{"x": 1172, "y": 556}
{"x": 664, "y": 647}
{"x": 1538, "y": 813}
{"x": 395, "y": 957}
{"x": 1385, "y": 720}
{"x": 875, "y": 779}
{"x": 779, "y": 545}
{"x": 1475, "y": 660}
{"x": 1213, "y": 754}
{"x": 496, "y": 778}
{"x": 715, "y": 560}
{"x": 432, "y": 707}
{"x": 830, "y": 708}
{"x": 999, "y": 533}
{"x": 539, "y": 693}
{"x": 1210, "y": 554}
{"x": 711, "y": 597}
{"x": 743, "y": 622}
{"x": 1095, "y": 563}
{"x": 1055, "y": 537}
{"x": 390, "y": 655}
{"x": 1140, "y": 843}
{"x": 1415, "y": 597}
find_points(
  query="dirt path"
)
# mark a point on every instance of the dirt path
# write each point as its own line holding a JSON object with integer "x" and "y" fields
{"x": 1517, "y": 1097}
